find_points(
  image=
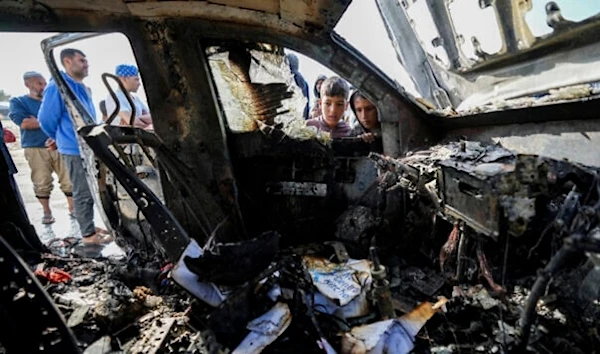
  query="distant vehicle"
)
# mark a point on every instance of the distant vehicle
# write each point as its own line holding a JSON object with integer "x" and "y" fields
{"x": 4, "y": 108}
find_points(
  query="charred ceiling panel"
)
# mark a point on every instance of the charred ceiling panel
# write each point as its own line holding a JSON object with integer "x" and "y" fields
{"x": 465, "y": 82}
{"x": 113, "y": 6}
{"x": 321, "y": 13}
{"x": 296, "y": 15}
{"x": 270, "y": 6}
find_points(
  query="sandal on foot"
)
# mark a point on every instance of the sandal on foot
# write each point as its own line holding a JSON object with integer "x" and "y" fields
{"x": 48, "y": 219}
{"x": 98, "y": 238}
{"x": 102, "y": 231}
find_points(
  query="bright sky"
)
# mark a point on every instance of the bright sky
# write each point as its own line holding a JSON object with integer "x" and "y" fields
{"x": 361, "y": 26}
{"x": 104, "y": 53}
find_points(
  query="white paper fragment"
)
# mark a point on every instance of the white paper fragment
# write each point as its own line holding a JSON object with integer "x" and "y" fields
{"x": 327, "y": 348}
{"x": 265, "y": 329}
{"x": 207, "y": 292}
{"x": 341, "y": 283}
{"x": 358, "y": 307}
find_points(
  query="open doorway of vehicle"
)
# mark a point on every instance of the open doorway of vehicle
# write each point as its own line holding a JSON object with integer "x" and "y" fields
{"x": 112, "y": 154}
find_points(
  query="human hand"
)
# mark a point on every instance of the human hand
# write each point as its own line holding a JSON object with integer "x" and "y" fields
{"x": 367, "y": 137}
{"x": 50, "y": 144}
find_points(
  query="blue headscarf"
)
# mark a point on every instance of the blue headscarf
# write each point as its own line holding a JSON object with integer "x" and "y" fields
{"x": 125, "y": 70}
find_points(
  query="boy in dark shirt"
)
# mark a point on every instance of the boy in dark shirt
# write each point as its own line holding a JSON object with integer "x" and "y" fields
{"x": 334, "y": 102}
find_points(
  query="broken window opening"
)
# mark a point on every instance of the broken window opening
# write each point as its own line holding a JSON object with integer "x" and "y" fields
{"x": 478, "y": 36}
{"x": 570, "y": 10}
{"x": 257, "y": 91}
{"x": 373, "y": 41}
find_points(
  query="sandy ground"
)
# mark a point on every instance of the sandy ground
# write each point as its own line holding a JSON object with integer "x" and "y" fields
{"x": 65, "y": 226}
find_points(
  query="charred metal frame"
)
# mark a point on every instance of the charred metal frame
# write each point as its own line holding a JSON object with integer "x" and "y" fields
{"x": 183, "y": 99}
{"x": 172, "y": 237}
{"x": 114, "y": 114}
{"x": 183, "y": 102}
{"x": 27, "y": 310}
{"x": 521, "y": 52}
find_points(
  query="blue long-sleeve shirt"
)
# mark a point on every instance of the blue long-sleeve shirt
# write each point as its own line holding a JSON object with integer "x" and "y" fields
{"x": 54, "y": 117}
{"x": 24, "y": 107}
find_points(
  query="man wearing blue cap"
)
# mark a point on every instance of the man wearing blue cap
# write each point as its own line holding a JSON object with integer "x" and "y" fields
{"x": 56, "y": 123}
{"x": 40, "y": 151}
{"x": 129, "y": 76}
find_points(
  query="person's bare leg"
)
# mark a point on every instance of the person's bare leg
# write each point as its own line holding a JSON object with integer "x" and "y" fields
{"x": 70, "y": 203}
{"x": 45, "y": 205}
{"x": 47, "y": 219}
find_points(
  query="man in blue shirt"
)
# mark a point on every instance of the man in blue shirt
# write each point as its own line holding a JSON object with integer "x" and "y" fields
{"x": 56, "y": 122}
{"x": 42, "y": 161}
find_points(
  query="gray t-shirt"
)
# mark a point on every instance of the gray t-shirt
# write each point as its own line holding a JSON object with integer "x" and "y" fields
{"x": 140, "y": 107}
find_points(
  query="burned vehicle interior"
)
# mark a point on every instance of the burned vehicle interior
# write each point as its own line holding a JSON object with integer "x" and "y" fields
{"x": 473, "y": 226}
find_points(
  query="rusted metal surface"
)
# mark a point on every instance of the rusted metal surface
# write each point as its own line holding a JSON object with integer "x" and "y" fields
{"x": 187, "y": 120}
{"x": 459, "y": 81}
{"x": 575, "y": 140}
{"x": 301, "y": 15}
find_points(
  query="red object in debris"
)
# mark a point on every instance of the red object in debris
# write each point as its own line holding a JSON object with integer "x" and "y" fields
{"x": 449, "y": 247}
{"x": 54, "y": 275}
{"x": 9, "y": 136}
{"x": 166, "y": 268}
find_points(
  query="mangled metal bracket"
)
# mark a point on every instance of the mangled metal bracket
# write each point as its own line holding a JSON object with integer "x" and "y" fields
{"x": 172, "y": 238}
{"x": 153, "y": 339}
{"x": 113, "y": 95}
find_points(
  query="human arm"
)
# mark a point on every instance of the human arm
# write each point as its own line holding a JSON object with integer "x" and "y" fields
{"x": 145, "y": 116}
{"x": 51, "y": 111}
{"x": 124, "y": 114}
{"x": 30, "y": 123}
{"x": 20, "y": 116}
{"x": 364, "y": 135}
{"x": 140, "y": 122}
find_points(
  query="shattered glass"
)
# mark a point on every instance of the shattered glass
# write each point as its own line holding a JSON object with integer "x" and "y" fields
{"x": 257, "y": 90}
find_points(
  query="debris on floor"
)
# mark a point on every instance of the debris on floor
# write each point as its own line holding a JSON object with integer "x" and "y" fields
{"x": 460, "y": 274}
